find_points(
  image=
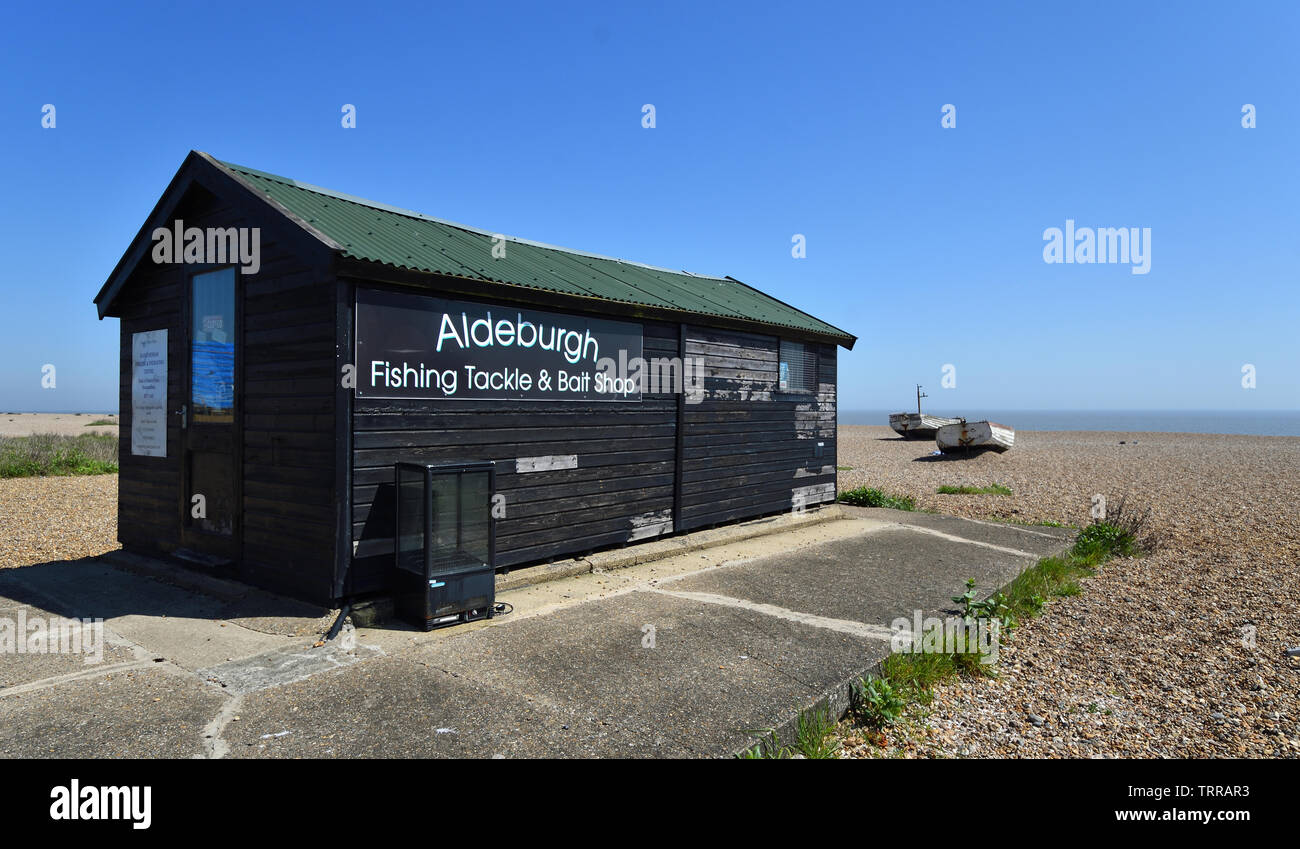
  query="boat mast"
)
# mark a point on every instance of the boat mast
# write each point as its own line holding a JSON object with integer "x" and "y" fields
{"x": 919, "y": 396}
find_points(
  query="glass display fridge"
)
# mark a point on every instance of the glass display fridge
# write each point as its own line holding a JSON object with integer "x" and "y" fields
{"x": 445, "y": 543}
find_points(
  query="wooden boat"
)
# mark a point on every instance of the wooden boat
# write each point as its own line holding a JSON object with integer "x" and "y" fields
{"x": 918, "y": 425}
{"x": 970, "y": 436}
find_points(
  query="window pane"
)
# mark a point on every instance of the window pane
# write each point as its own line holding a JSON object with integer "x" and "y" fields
{"x": 461, "y": 520}
{"x": 476, "y": 517}
{"x": 798, "y": 367}
{"x": 212, "y": 364}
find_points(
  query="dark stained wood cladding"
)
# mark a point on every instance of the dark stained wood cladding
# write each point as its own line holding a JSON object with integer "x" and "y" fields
{"x": 148, "y": 488}
{"x": 620, "y": 491}
{"x": 286, "y": 405}
{"x": 747, "y": 448}
{"x": 290, "y": 384}
{"x": 317, "y": 463}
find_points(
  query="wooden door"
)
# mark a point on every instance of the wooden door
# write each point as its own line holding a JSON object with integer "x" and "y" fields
{"x": 210, "y": 433}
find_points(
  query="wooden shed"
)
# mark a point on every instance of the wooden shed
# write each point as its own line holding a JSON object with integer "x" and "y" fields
{"x": 284, "y": 345}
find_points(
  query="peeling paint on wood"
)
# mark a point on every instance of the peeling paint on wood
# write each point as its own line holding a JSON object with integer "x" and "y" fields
{"x": 546, "y": 464}
{"x": 651, "y": 524}
{"x": 815, "y": 494}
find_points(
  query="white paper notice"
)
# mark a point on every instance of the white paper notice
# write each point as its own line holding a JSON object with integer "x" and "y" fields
{"x": 149, "y": 393}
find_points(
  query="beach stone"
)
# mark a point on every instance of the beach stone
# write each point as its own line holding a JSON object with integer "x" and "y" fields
{"x": 1156, "y": 642}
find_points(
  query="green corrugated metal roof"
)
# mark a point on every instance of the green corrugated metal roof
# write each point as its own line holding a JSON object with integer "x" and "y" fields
{"x": 400, "y": 238}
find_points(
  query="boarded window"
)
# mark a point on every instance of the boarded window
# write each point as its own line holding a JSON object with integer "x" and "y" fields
{"x": 798, "y": 367}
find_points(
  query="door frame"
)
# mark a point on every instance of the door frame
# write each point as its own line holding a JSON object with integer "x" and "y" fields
{"x": 214, "y": 545}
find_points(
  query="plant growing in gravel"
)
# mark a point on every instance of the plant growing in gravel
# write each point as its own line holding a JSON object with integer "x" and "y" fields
{"x": 971, "y": 665}
{"x": 54, "y": 454}
{"x": 992, "y": 489}
{"x": 815, "y": 737}
{"x": 914, "y": 674}
{"x": 876, "y": 703}
{"x": 1122, "y": 533}
{"x": 1050, "y": 577}
{"x": 994, "y": 607}
{"x": 867, "y": 497}
{"x": 766, "y": 749}
{"x": 967, "y": 598}
{"x": 1101, "y": 540}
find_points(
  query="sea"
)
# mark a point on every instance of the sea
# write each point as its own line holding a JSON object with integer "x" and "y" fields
{"x": 1256, "y": 423}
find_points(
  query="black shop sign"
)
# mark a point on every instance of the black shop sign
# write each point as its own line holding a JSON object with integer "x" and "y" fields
{"x": 414, "y": 346}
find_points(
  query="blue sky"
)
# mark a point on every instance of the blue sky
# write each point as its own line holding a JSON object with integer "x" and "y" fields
{"x": 770, "y": 121}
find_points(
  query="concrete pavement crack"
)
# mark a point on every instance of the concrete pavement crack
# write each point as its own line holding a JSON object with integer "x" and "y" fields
{"x": 214, "y": 747}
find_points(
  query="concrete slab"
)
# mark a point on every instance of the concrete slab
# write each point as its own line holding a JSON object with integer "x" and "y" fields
{"x": 1040, "y": 540}
{"x": 185, "y": 627}
{"x": 745, "y": 634}
{"x": 872, "y": 579}
{"x": 580, "y": 682}
{"x": 194, "y": 643}
{"x": 135, "y": 713}
{"x": 400, "y": 708}
{"x": 713, "y": 675}
{"x": 77, "y": 650}
{"x": 242, "y": 604}
{"x": 23, "y": 670}
{"x": 541, "y": 598}
{"x": 90, "y": 588}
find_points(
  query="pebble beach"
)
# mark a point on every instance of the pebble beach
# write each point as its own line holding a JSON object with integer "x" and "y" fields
{"x": 45, "y": 519}
{"x": 1177, "y": 654}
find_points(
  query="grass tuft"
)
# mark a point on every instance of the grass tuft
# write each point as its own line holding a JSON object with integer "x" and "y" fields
{"x": 867, "y": 497}
{"x": 914, "y": 674}
{"x": 55, "y": 454}
{"x": 993, "y": 489}
{"x": 815, "y": 739}
{"x": 1123, "y": 533}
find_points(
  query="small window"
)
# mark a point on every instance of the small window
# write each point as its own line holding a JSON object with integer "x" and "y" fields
{"x": 212, "y": 347}
{"x": 798, "y": 367}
